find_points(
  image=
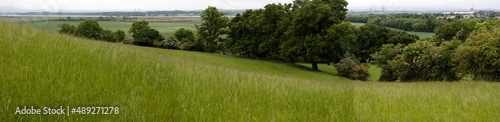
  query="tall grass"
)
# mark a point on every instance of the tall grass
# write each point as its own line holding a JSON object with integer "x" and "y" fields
{"x": 44, "y": 68}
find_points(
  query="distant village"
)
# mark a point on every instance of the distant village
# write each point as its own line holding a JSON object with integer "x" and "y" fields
{"x": 482, "y": 14}
{"x": 471, "y": 13}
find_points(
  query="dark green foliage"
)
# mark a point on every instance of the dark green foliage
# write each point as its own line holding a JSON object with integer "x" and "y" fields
{"x": 187, "y": 40}
{"x": 120, "y": 35}
{"x": 144, "y": 35}
{"x": 479, "y": 56}
{"x": 450, "y": 60}
{"x": 184, "y": 35}
{"x": 108, "y": 35}
{"x": 371, "y": 37}
{"x": 352, "y": 69}
{"x": 401, "y": 37}
{"x": 138, "y": 26}
{"x": 245, "y": 34}
{"x": 425, "y": 61}
{"x": 67, "y": 28}
{"x": 147, "y": 37}
{"x": 211, "y": 30}
{"x": 89, "y": 29}
{"x": 257, "y": 33}
{"x": 382, "y": 58}
{"x": 407, "y": 22}
{"x": 457, "y": 29}
{"x": 307, "y": 36}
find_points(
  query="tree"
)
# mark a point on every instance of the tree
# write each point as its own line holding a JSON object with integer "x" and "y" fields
{"x": 184, "y": 35}
{"x": 425, "y": 61}
{"x": 120, "y": 35}
{"x": 108, "y": 35}
{"x": 138, "y": 26}
{"x": 311, "y": 20}
{"x": 269, "y": 24}
{"x": 457, "y": 29}
{"x": 479, "y": 55}
{"x": 213, "y": 27}
{"x": 382, "y": 58}
{"x": 67, "y": 28}
{"x": 246, "y": 34}
{"x": 144, "y": 35}
{"x": 147, "y": 37}
{"x": 187, "y": 39}
{"x": 369, "y": 39}
{"x": 89, "y": 29}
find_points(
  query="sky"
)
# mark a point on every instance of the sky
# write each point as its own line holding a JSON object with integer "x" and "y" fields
{"x": 145, "y": 5}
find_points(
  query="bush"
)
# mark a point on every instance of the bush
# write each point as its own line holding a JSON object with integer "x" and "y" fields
{"x": 170, "y": 43}
{"x": 352, "y": 69}
{"x": 360, "y": 72}
{"x": 426, "y": 61}
{"x": 147, "y": 37}
{"x": 67, "y": 28}
{"x": 89, "y": 29}
{"x": 479, "y": 55}
{"x": 120, "y": 35}
{"x": 382, "y": 58}
{"x": 108, "y": 35}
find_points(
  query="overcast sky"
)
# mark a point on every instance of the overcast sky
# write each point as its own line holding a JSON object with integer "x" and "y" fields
{"x": 144, "y": 5}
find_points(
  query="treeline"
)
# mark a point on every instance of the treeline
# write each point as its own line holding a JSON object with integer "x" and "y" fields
{"x": 462, "y": 49}
{"x": 92, "y": 30}
{"x": 293, "y": 33}
{"x": 407, "y": 22}
{"x": 315, "y": 31}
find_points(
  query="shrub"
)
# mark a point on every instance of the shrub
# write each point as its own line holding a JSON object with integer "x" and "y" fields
{"x": 120, "y": 35}
{"x": 360, "y": 72}
{"x": 170, "y": 43}
{"x": 425, "y": 61}
{"x": 352, "y": 69}
{"x": 89, "y": 29}
{"x": 382, "y": 58}
{"x": 479, "y": 55}
{"x": 67, "y": 28}
{"x": 147, "y": 37}
{"x": 108, "y": 35}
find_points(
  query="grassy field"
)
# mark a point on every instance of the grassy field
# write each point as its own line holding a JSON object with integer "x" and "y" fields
{"x": 166, "y": 29}
{"x": 422, "y": 35}
{"x": 43, "y": 68}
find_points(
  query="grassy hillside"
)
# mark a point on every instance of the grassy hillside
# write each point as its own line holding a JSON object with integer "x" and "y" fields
{"x": 46, "y": 69}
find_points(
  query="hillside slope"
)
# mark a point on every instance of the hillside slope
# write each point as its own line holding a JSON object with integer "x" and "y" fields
{"x": 46, "y": 69}
{"x": 42, "y": 68}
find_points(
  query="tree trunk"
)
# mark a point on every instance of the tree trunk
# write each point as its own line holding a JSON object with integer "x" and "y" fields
{"x": 315, "y": 66}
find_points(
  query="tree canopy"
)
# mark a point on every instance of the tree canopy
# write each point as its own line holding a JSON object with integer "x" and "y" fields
{"x": 310, "y": 22}
{"x": 89, "y": 29}
{"x": 213, "y": 27}
{"x": 144, "y": 35}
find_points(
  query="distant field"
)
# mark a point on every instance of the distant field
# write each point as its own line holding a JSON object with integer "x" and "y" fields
{"x": 44, "y": 68}
{"x": 166, "y": 29}
{"x": 422, "y": 35}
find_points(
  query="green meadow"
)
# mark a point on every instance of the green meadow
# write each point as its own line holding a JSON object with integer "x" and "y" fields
{"x": 46, "y": 69}
{"x": 166, "y": 29}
